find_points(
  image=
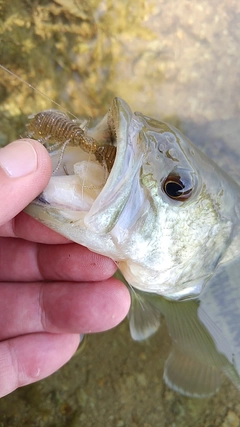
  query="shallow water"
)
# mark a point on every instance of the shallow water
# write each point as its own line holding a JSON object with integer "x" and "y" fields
{"x": 178, "y": 61}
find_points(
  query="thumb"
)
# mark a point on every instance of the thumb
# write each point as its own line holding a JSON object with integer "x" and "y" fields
{"x": 25, "y": 169}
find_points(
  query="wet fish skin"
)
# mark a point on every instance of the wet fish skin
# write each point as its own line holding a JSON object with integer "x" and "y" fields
{"x": 167, "y": 248}
{"x": 157, "y": 240}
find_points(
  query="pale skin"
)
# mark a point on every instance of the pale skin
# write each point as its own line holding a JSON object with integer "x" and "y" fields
{"x": 51, "y": 290}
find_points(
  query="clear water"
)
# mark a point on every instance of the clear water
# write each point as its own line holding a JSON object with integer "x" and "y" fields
{"x": 178, "y": 61}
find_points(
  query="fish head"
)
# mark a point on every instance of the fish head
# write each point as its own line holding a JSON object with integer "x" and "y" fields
{"x": 190, "y": 214}
{"x": 164, "y": 213}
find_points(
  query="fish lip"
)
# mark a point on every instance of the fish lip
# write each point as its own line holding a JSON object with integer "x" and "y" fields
{"x": 39, "y": 200}
{"x": 123, "y": 182}
{"x": 118, "y": 119}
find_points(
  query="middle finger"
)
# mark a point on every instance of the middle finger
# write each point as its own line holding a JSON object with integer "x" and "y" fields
{"x": 21, "y": 260}
{"x": 61, "y": 307}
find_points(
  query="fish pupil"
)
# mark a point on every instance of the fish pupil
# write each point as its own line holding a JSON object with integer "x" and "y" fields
{"x": 173, "y": 189}
{"x": 177, "y": 188}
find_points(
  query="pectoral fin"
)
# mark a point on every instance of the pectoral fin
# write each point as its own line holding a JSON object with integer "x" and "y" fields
{"x": 195, "y": 363}
{"x": 189, "y": 376}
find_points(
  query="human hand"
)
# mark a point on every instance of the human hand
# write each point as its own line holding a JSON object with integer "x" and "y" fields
{"x": 51, "y": 290}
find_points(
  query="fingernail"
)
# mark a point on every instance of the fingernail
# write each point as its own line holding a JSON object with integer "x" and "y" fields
{"x": 18, "y": 159}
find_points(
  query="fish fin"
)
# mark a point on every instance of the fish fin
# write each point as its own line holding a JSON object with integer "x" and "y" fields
{"x": 190, "y": 377}
{"x": 195, "y": 364}
{"x": 144, "y": 313}
{"x": 219, "y": 311}
{"x": 144, "y": 317}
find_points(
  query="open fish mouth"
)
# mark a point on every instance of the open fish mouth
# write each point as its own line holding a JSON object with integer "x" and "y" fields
{"x": 87, "y": 179}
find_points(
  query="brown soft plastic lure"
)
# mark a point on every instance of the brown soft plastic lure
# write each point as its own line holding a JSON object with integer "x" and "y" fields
{"x": 55, "y": 129}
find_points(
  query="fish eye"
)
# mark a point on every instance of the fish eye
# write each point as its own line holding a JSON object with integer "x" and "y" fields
{"x": 178, "y": 187}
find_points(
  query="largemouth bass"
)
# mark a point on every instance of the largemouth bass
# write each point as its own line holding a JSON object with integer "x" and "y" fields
{"x": 166, "y": 214}
{"x": 169, "y": 217}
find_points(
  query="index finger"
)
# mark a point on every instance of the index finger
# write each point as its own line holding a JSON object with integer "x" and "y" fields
{"x": 25, "y": 227}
